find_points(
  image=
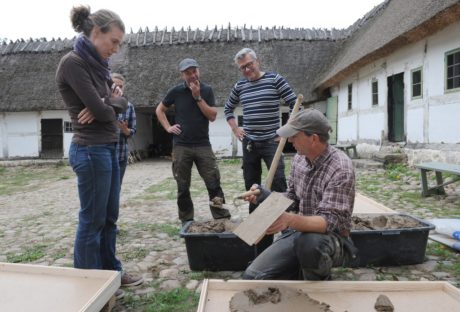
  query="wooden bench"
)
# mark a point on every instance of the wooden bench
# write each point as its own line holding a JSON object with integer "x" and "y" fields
{"x": 438, "y": 169}
{"x": 347, "y": 148}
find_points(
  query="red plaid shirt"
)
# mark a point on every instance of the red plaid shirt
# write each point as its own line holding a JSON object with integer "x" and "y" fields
{"x": 324, "y": 187}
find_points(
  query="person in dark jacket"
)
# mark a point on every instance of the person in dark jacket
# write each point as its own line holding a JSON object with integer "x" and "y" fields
{"x": 93, "y": 102}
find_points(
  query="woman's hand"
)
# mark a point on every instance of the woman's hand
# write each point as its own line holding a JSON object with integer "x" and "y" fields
{"x": 85, "y": 117}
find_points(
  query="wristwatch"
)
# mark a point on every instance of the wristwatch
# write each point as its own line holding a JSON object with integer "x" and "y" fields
{"x": 199, "y": 98}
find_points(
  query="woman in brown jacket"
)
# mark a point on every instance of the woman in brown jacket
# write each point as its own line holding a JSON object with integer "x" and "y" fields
{"x": 83, "y": 79}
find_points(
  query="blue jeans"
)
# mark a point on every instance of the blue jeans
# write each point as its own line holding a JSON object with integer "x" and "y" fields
{"x": 122, "y": 164}
{"x": 96, "y": 167}
{"x": 252, "y": 167}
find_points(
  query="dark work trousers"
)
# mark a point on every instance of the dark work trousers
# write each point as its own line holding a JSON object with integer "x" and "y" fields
{"x": 253, "y": 154}
{"x": 298, "y": 255}
{"x": 205, "y": 161}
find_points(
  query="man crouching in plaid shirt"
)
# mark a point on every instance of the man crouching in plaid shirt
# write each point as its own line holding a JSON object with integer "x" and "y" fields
{"x": 322, "y": 186}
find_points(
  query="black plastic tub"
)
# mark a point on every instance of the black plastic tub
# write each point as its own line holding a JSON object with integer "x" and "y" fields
{"x": 392, "y": 247}
{"x": 220, "y": 251}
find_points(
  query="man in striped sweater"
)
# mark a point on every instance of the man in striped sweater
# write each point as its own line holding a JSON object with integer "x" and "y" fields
{"x": 260, "y": 94}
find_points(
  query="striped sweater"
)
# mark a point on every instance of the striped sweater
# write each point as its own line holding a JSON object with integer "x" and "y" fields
{"x": 260, "y": 100}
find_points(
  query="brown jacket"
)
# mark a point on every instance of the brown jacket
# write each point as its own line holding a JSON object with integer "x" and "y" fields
{"x": 81, "y": 87}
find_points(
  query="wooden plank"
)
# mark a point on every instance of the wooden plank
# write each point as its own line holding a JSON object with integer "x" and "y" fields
{"x": 354, "y": 296}
{"x": 55, "y": 288}
{"x": 445, "y": 240}
{"x": 438, "y": 166}
{"x": 203, "y": 295}
{"x": 364, "y": 204}
{"x": 253, "y": 228}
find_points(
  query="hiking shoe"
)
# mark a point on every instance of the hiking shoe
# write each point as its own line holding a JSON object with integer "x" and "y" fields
{"x": 120, "y": 293}
{"x": 131, "y": 280}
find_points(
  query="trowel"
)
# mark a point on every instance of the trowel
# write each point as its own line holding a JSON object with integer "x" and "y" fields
{"x": 217, "y": 202}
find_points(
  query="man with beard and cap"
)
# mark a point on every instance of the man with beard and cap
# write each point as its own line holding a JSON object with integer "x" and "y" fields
{"x": 322, "y": 186}
{"x": 194, "y": 108}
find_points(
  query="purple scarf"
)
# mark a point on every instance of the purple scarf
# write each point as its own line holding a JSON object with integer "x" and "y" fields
{"x": 86, "y": 50}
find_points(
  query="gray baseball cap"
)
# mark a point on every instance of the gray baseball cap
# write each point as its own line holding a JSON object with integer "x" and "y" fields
{"x": 187, "y": 63}
{"x": 309, "y": 120}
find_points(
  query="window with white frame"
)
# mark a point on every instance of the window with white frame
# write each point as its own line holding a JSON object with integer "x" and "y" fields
{"x": 417, "y": 83}
{"x": 350, "y": 98}
{"x": 375, "y": 92}
{"x": 453, "y": 70}
{"x": 68, "y": 127}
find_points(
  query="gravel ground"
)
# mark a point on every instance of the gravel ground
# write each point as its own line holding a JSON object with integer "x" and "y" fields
{"x": 39, "y": 206}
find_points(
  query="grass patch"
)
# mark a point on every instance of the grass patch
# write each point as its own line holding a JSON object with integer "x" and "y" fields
{"x": 165, "y": 190}
{"x": 413, "y": 197}
{"x": 452, "y": 269}
{"x": 29, "y": 255}
{"x": 231, "y": 161}
{"x": 20, "y": 179}
{"x": 171, "y": 230}
{"x": 177, "y": 300}
{"x": 439, "y": 250}
{"x": 135, "y": 254}
{"x": 58, "y": 255}
{"x": 396, "y": 172}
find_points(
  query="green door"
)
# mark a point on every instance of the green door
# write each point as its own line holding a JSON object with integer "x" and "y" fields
{"x": 331, "y": 114}
{"x": 396, "y": 108}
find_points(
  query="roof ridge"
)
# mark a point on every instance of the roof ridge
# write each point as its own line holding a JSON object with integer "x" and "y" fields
{"x": 214, "y": 34}
{"x": 144, "y": 37}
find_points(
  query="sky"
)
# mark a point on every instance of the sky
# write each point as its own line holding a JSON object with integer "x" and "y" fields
{"x": 50, "y": 18}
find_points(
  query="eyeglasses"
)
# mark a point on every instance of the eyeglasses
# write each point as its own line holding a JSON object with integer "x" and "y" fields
{"x": 246, "y": 66}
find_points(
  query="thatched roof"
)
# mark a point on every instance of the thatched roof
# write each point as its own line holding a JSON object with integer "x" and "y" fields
{"x": 149, "y": 61}
{"x": 388, "y": 27}
{"x": 312, "y": 60}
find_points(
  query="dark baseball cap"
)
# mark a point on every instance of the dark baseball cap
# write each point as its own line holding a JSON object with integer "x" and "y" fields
{"x": 187, "y": 63}
{"x": 308, "y": 120}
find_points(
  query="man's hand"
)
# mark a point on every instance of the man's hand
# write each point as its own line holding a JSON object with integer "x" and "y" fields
{"x": 123, "y": 126}
{"x": 239, "y": 133}
{"x": 280, "y": 224}
{"x": 195, "y": 88}
{"x": 175, "y": 129}
{"x": 85, "y": 116}
{"x": 116, "y": 91}
{"x": 257, "y": 199}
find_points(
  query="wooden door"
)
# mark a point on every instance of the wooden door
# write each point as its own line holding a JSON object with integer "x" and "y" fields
{"x": 396, "y": 108}
{"x": 52, "y": 138}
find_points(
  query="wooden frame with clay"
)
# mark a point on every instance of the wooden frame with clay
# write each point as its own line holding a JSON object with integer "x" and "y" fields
{"x": 350, "y": 296}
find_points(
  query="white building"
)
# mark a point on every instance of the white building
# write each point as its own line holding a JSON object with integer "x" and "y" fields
{"x": 398, "y": 81}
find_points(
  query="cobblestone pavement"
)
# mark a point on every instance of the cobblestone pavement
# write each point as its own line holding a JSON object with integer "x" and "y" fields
{"x": 38, "y": 222}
